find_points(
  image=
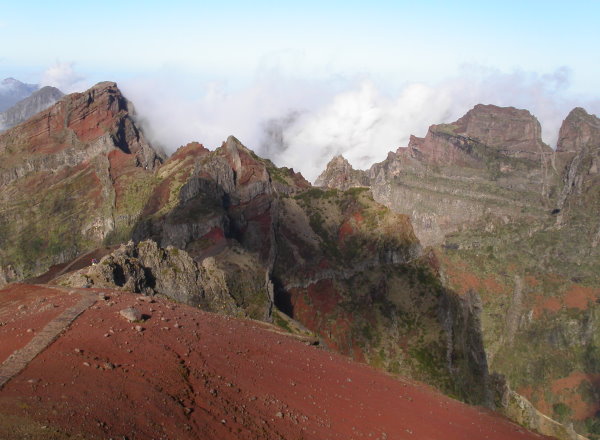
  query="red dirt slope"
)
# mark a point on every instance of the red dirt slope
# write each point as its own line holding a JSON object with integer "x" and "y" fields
{"x": 189, "y": 374}
{"x": 24, "y": 311}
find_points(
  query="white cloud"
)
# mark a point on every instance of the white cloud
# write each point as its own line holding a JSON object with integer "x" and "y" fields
{"x": 302, "y": 124}
{"x": 364, "y": 124}
{"x": 63, "y": 76}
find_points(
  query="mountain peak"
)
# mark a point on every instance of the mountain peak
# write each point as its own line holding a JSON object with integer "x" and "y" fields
{"x": 514, "y": 131}
{"x": 10, "y": 80}
{"x": 13, "y": 91}
{"x": 100, "y": 115}
{"x": 340, "y": 174}
{"x": 579, "y": 130}
{"x": 233, "y": 144}
{"x": 24, "y": 109}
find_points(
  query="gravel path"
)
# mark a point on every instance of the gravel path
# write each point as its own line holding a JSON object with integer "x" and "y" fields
{"x": 17, "y": 361}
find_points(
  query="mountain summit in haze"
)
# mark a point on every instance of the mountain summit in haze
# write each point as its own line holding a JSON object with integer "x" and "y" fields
{"x": 36, "y": 102}
{"x": 13, "y": 91}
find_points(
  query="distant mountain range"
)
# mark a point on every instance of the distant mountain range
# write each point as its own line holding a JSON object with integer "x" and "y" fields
{"x": 36, "y": 102}
{"x": 20, "y": 101}
{"x": 13, "y": 91}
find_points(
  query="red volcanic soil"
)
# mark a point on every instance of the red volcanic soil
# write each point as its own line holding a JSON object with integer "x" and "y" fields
{"x": 580, "y": 296}
{"x": 463, "y": 278}
{"x": 542, "y": 304}
{"x": 576, "y": 297}
{"x": 24, "y": 310}
{"x": 188, "y": 374}
{"x": 567, "y": 388}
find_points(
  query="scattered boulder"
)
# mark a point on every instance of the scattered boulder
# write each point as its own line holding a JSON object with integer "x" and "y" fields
{"x": 131, "y": 314}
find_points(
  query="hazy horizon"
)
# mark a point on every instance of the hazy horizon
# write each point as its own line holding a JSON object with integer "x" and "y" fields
{"x": 300, "y": 83}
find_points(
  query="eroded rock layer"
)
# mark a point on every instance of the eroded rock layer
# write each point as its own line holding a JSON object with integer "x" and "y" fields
{"x": 515, "y": 222}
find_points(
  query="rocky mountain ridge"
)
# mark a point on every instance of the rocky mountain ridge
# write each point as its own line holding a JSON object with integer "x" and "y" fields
{"x": 516, "y": 222}
{"x": 66, "y": 175}
{"x": 231, "y": 232}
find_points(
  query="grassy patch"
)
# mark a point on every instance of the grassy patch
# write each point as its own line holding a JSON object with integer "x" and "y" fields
{"x": 561, "y": 412}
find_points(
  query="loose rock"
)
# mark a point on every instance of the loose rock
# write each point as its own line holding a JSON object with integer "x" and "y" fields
{"x": 131, "y": 314}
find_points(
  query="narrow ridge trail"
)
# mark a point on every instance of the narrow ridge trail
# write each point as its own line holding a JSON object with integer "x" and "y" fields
{"x": 16, "y": 362}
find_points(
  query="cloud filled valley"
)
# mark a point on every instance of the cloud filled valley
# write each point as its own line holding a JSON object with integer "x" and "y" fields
{"x": 302, "y": 123}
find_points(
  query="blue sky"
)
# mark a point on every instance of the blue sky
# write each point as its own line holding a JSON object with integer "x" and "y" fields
{"x": 250, "y": 62}
{"x": 395, "y": 40}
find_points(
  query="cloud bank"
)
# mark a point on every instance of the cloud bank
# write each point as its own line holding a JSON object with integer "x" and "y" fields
{"x": 303, "y": 123}
{"x": 63, "y": 77}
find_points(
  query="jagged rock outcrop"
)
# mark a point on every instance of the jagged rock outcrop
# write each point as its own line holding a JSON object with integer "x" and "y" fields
{"x": 208, "y": 196}
{"x": 26, "y": 108}
{"x": 578, "y": 131}
{"x": 341, "y": 264}
{"x": 13, "y": 91}
{"x": 578, "y": 156}
{"x": 211, "y": 284}
{"x": 67, "y": 179}
{"x": 340, "y": 174}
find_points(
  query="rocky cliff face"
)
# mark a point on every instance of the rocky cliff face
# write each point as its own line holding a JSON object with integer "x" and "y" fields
{"x": 516, "y": 223}
{"x": 453, "y": 177}
{"x": 26, "y": 108}
{"x": 344, "y": 266}
{"x": 511, "y": 131}
{"x": 578, "y": 159}
{"x": 578, "y": 131}
{"x": 485, "y": 132}
{"x": 67, "y": 177}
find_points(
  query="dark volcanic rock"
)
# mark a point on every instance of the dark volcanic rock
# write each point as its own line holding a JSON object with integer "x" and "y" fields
{"x": 151, "y": 270}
